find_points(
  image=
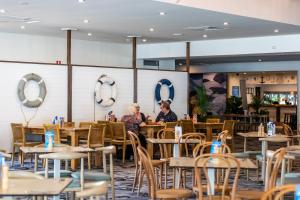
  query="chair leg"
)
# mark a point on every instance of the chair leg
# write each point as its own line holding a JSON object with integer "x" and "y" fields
{"x": 141, "y": 177}
{"x": 124, "y": 153}
{"x": 160, "y": 175}
{"x": 89, "y": 161}
{"x": 13, "y": 156}
{"x": 135, "y": 178}
{"x": 166, "y": 175}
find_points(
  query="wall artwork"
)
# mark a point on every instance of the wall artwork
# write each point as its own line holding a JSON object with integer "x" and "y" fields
{"x": 215, "y": 88}
{"x": 235, "y": 91}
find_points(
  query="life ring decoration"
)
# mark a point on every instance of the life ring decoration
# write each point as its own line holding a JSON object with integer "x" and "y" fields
{"x": 158, "y": 88}
{"x": 104, "y": 79}
{"x": 42, "y": 90}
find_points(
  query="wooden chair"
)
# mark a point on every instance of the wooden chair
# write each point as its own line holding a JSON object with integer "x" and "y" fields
{"x": 165, "y": 149}
{"x": 94, "y": 177}
{"x": 186, "y": 148}
{"x": 69, "y": 125}
{"x": 95, "y": 139}
{"x": 93, "y": 190}
{"x": 139, "y": 173}
{"x": 278, "y": 193}
{"x": 224, "y": 162}
{"x": 290, "y": 134}
{"x": 203, "y": 148}
{"x": 171, "y": 124}
{"x": 187, "y": 126}
{"x": 229, "y": 126}
{"x": 19, "y": 140}
{"x": 274, "y": 161}
{"x": 85, "y": 124}
{"x": 222, "y": 137}
{"x": 155, "y": 193}
{"x": 119, "y": 137}
{"x": 55, "y": 129}
{"x": 107, "y": 135}
{"x": 212, "y": 120}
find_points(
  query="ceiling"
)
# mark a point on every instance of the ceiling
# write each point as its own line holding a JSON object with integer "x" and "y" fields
{"x": 113, "y": 20}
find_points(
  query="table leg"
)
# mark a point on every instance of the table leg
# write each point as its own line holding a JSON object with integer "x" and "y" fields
{"x": 35, "y": 162}
{"x": 56, "y": 174}
{"x": 282, "y": 171}
{"x": 177, "y": 170}
{"x": 74, "y": 142}
{"x": 209, "y": 133}
{"x": 245, "y": 144}
{"x": 150, "y": 134}
{"x": 264, "y": 147}
{"x": 211, "y": 175}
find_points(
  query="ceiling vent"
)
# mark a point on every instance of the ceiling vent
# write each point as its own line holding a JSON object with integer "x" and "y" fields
{"x": 205, "y": 28}
{"x": 14, "y": 19}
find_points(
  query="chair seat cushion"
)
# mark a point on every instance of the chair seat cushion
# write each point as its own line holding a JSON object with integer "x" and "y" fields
{"x": 173, "y": 193}
{"x": 92, "y": 176}
{"x": 63, "y": 173}
{"x": 249, "y": 194}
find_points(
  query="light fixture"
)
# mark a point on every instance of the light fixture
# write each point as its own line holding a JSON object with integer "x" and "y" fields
{"x": 68, "y": 29}
{"x": 133, "y": 36}
{"x": 162, "y": 13}
{"x": 244, "y": 73}
{"x": 151, "y": 29}
{"x": 2, "y": 11}
{"x": 144, "y": 40}
{"x": 225, "y": 23}
{"x": 276, "y": 30}
{"x": 89, "y": 34}
{"x": 259, "y": 60}
{"x": 32, "y": 21}
{"x": 180, "y": 64}
{"x": 81, "y": 1}
{"x": 177, "y": 34}
{"x": 86, "y": 21}
{"x": 22, "y": 27}
{"x": 205, "y": 36}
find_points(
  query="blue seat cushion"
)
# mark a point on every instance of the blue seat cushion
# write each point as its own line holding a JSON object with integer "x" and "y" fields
{"x": 92, "y": 176}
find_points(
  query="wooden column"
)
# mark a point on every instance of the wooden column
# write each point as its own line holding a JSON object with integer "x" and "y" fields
{"x": 134, "y": 69}
{"x": 187, "y": 64}
{"x": 70, "y": 92}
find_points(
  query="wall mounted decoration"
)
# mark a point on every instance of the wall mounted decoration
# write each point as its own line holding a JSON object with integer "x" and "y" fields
{"x": 158, "y": 88}
{"x": 104, "y": 79}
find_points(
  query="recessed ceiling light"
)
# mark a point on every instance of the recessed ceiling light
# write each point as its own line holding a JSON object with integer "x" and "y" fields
{"x": 144, "y": 40}
{"x": 225, "y": 23}
{"x": 180, "y": 64}
{"x": 259, "y": 60}
{"x": 205, "y": 36}
{"x": 68, "y": 29}
{"x": 86, "y": 21}
{"x": 2, "y": 11}
{"x": 151, "y": 29}
{"x": 127, "y": 40}
{"x": 81, "y": 1}
{"x": 162, "y": 13}
{"x": 22, "y": 27}
{"x": 245, "y": 73}
{"x": 276, "y": 30}
{"x": 134, "y": 36}
{"x": 89, "y": 34}
{"x": 177, "y": 34}
{"x": 32, "y": 22}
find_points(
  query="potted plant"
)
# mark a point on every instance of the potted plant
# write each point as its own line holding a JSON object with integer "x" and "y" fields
{"x": 234, "y": 105}
{"x": 256, "y": 103}
{"x": 201, "y": 103}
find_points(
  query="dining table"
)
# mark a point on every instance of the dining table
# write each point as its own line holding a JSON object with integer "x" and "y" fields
{"x": 209, "y": 128}
{"x": 34, "y": 187}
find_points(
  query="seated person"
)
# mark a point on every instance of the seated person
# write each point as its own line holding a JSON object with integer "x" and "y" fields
{"x": 139, "y": 115}
{"x": 166, "y": 114}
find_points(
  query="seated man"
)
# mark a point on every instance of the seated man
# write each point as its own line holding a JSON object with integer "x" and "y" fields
{"x": 166, "y": 114}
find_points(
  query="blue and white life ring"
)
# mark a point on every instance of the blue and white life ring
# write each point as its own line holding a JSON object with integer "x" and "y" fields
{"x": 104, "y": 79}
{"x": 158, "y": 88}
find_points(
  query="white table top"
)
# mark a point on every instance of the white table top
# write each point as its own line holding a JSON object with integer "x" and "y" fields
{"x": 172, "y": 141}
{"x": 34, "y": 187}
{"x": 55, "y": 149}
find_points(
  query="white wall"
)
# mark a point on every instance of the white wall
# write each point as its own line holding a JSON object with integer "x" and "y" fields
{"x": 84, "y": 80}
{"x": 55, "y": 102}
{"x": 147, "y": 81}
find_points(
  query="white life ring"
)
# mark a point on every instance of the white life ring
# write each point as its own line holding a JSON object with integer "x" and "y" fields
{"x": 104, "y": 79}
{"x": 42, "y": 94}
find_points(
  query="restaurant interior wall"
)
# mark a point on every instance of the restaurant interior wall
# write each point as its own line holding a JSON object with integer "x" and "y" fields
{"x": 147, "y": 80}
{"x": 55, "y": 102}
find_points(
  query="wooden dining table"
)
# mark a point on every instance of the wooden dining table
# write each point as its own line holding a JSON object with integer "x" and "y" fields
{"x": 34, "y": 187}
{"x": 209, "y": 128}
{"x": 74, "y": 133}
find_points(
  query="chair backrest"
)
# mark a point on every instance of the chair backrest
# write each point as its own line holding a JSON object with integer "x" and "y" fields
{"x": 203, "y": 148}
{"x": 118, "y": 130}
{"x": 107, "y": 130}
{"x": 171, "y": 124}
{"x": 274, "y": 161}
{"x": 222, "y": 137}
{"x": 85, "y": 124}
{"x": 135, "y": 142}
{"x": 212, "y": 120}
{"x": 287, "y": 130}
{"x": 165, "y": 149}
{"x": 229, "y": 165}
{"x": 148, "y": 168}
{"x": 96, "y": 134}
{"x": 186, "y": 147}
{"x": 278, "y": 192}
{"x": 55, "y": 129}
{"x": 18, "y": 132}
{"x": 187, "y": 126}
{"x": 229, "y": 126}
{"x": 69, "y": 124}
